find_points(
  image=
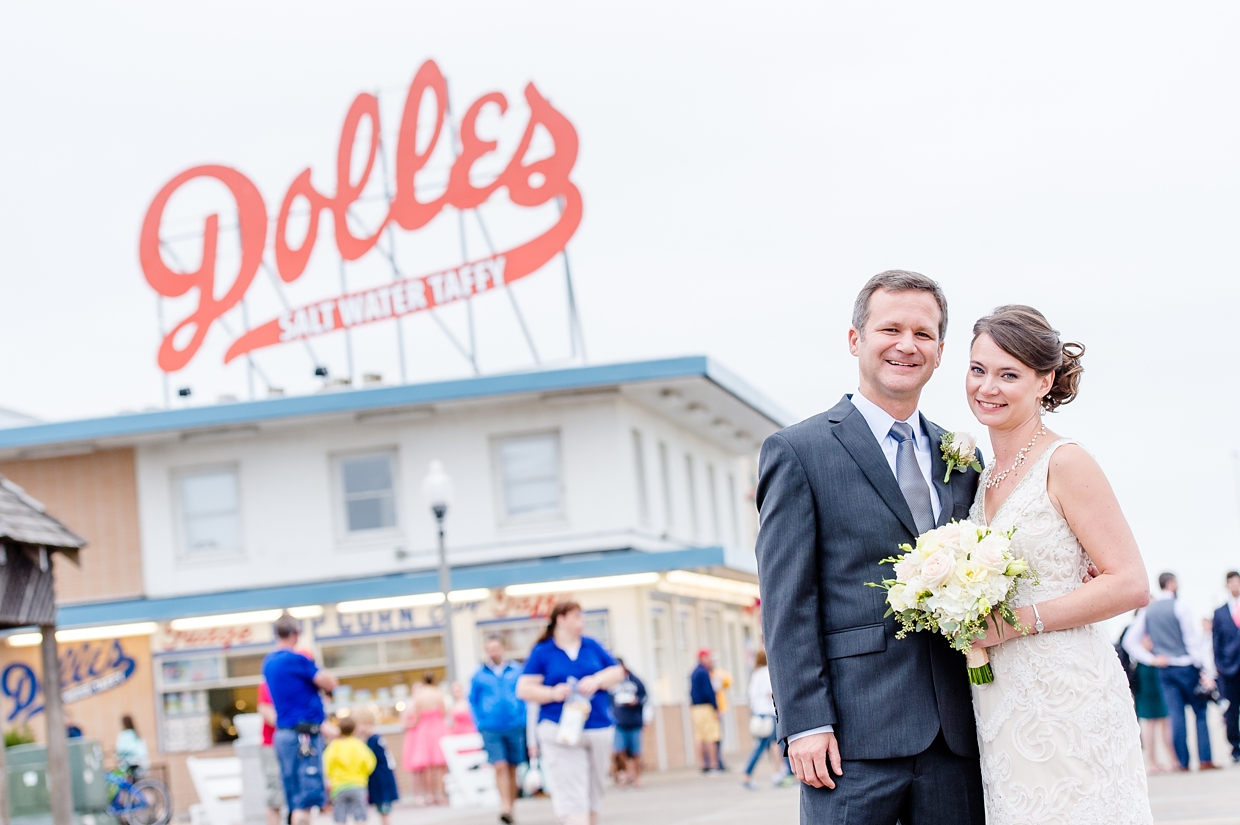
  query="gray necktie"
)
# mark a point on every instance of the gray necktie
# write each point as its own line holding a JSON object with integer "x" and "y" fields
{"x": 912, "y": 482}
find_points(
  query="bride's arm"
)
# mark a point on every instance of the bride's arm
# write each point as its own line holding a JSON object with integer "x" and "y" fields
{"x": 1081, "y": 493}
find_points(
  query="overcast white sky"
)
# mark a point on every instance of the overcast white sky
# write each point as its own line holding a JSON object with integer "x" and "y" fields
{"x": 744, "y": 169}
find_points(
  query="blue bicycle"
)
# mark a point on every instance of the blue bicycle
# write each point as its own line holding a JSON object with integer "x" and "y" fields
{"x": 138, "y": 800}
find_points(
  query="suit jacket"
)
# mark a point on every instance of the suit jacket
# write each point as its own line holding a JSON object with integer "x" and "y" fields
{"x": 1226, "y": 642}
{"x": 830, "y": 510}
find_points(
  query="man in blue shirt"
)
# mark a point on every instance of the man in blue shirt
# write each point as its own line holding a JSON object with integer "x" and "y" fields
{"x": 295, "y": 681}
{"x": 705, "y": 711}
{"x": 500, "y": 717}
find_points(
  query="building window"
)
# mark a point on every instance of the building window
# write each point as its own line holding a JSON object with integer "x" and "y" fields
{"x": 713, "y": 494}
{"x": 665, "y": 478}
{"x": 368, "y": 491}
{"x": 529, "y": 475}
{"x": 210, "y": 509}
{"x": 691, "y": 487}
{"x": 736, "y": 529}
{"x": 639, "y": 470}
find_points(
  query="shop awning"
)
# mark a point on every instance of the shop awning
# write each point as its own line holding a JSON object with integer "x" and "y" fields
{"x": 526, "y": 571}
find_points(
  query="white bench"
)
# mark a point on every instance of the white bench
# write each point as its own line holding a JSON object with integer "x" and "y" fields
{"x": 470, "y": 779}
{"x": 218, "y": 783}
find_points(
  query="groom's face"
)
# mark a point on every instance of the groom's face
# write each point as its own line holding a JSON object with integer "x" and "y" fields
{"x": 899, "y": 349}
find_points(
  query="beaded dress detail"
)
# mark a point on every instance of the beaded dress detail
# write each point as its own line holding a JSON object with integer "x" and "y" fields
{"x": 1057, "y": 727}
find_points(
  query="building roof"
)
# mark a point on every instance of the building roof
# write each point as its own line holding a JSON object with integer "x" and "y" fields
{"x": 23, "y": 520}
{"x": 501, "y": 574}
{"x": 21, "y": 440}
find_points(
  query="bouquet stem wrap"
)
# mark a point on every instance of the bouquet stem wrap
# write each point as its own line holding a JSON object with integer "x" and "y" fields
{"x": 979, "y": 667}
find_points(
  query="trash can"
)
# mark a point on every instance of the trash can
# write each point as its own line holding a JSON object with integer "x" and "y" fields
{"x": 28, "y": 791}
{"x": 90, "y": 784}
{"x": 27, "y": 769}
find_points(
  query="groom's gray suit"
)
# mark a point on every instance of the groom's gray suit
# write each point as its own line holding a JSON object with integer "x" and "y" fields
{"x": 831, "y": 509}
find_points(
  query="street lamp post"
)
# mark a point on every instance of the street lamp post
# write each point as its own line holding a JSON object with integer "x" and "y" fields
{"x": 437, "y": 488}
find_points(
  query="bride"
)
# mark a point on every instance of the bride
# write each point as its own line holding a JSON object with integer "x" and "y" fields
{"x": 1058, "y": 731}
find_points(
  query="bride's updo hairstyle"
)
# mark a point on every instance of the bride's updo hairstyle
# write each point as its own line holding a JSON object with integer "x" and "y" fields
{"x": 1025, "y": 334}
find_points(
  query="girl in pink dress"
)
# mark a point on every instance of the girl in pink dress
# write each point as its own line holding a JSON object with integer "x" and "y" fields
{"x": 421, "y": 755}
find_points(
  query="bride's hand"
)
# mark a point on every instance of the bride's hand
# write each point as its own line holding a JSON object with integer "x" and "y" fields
{"x": 997, "y": 631}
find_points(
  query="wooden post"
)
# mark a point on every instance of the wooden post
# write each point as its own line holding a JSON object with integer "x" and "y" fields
{"x": 4, "y": 779}
{"x": 57, "y": 741}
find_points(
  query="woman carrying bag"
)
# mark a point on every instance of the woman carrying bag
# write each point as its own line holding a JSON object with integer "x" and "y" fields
{"x": 761, "y": 720}
{"x": 568, "y": 675}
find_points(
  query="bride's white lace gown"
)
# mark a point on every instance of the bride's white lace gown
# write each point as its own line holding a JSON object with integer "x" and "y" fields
{"x": 1059, "y": 736}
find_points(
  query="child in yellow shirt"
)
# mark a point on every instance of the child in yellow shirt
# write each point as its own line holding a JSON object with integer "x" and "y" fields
{"x": 347, "y": 763}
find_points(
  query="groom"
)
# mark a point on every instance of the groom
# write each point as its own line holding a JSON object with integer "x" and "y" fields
{"x": 877, "y": 730}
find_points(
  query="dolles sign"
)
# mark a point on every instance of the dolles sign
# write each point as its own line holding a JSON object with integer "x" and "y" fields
{"x": 528, "y": 185}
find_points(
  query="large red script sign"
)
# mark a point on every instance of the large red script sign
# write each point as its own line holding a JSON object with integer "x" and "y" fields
{"x": 528, "y": 185}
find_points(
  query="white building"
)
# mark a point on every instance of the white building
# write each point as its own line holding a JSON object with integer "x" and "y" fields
{"x": 626, "y": 487}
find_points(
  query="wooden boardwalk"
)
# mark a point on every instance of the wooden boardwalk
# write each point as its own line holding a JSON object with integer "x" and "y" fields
{"x": 687, "y": 798}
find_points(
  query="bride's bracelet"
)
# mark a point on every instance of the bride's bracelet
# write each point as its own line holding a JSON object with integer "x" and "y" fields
{"x": 1038, "y": 627}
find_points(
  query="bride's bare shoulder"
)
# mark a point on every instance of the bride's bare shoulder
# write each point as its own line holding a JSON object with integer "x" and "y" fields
{"x": 1073, "y": 469}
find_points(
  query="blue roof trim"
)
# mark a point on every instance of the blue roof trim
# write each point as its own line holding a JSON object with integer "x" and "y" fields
{"x": 576, "y": 566}
{"x": 251, "y": 412}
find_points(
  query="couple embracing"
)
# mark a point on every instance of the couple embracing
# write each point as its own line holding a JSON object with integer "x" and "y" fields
{"x": 880, "y": 729}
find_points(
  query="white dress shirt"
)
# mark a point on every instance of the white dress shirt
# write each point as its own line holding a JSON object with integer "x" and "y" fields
{"x": 1194, "y": 642}
{"x": 880, "y": 422}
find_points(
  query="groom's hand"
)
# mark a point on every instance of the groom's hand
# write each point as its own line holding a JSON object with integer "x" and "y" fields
{"x": 809, "y": 756}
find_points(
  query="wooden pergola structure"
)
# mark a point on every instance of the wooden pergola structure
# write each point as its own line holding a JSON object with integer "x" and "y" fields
{"x": 28, "y": 539}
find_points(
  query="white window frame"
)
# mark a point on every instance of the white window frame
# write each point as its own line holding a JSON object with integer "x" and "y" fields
{"x": 639, "y": 472}
{"x": 665, "y": 480}
{"x": 503, "y": 517}
{"x": 185, "y": 555}
{"x": 338, "y": 495}
{"x": 695, "y": 520}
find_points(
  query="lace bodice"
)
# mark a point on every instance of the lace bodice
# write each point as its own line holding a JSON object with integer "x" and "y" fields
{"x": 1057, "y": 727}
{"x": 1043, "y": 537}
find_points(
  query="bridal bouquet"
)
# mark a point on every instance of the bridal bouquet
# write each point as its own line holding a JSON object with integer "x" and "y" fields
{"x": 952, "y": 582}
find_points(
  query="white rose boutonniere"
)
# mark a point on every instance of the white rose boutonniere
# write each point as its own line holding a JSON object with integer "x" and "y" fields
{"x": 960, "y": 453}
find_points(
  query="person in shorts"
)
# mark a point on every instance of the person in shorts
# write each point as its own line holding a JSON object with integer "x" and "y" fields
{"x": 628, "y": 701}
{"x": 500, "y": 717}
{"x": 705, "y": 712}
{"x": 348, "y": 763}
{"x": 381, "y": 786}
{"x": 294, "y": 682}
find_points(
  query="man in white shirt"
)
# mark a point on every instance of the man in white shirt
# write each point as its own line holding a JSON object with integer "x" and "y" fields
{"x": 1184, "y": 668}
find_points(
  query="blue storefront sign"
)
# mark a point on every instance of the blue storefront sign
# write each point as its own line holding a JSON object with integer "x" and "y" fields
{"x": 86, "y": 668}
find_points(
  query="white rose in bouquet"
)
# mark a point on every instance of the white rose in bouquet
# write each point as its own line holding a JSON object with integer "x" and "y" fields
{"x": 907, "y": 568}
{"x": 937, "y": 569}
{"x": 991, "y": 553}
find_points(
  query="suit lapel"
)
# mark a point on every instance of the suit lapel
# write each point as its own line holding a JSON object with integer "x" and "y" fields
{"x": 938, "y": 467}
{"x": 857, "y": 437}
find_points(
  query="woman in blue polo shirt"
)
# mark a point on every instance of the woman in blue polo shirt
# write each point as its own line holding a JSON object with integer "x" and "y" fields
{"x": 564, "y": 658}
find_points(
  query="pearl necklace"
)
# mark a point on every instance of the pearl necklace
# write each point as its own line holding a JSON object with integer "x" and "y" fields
{"x": 997, "y": 479}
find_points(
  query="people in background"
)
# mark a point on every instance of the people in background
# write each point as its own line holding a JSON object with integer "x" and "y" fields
{"x": 705, "y": 711}
{"x": 294, "y": 681}
{"x": 72, "y": 731}
{"x": 1152, "y": 713}
{"x": 131, "y": 753}
{"x": 566, "y": 663}
{"x": 501, "y": 720}
{"x": 1176, "y": 649}
{"x": 462, "y": 717}
{"x": 273, "y": 783}
{"x": 628, "y": 699}
{"x": 721, "y": 681}
{"x": 348, "y": 762}
{"x": 425, "y": 725}
{"x": 1226, "y": 634}
{"x": 381, "y": 786}
{"x": 762, "y": 724}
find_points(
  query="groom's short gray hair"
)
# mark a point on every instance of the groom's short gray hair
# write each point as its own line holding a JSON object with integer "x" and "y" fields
{"x": 897, "y": 280}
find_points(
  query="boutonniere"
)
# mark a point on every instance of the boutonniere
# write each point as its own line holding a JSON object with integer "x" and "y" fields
{"x": 960, "y": 453}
